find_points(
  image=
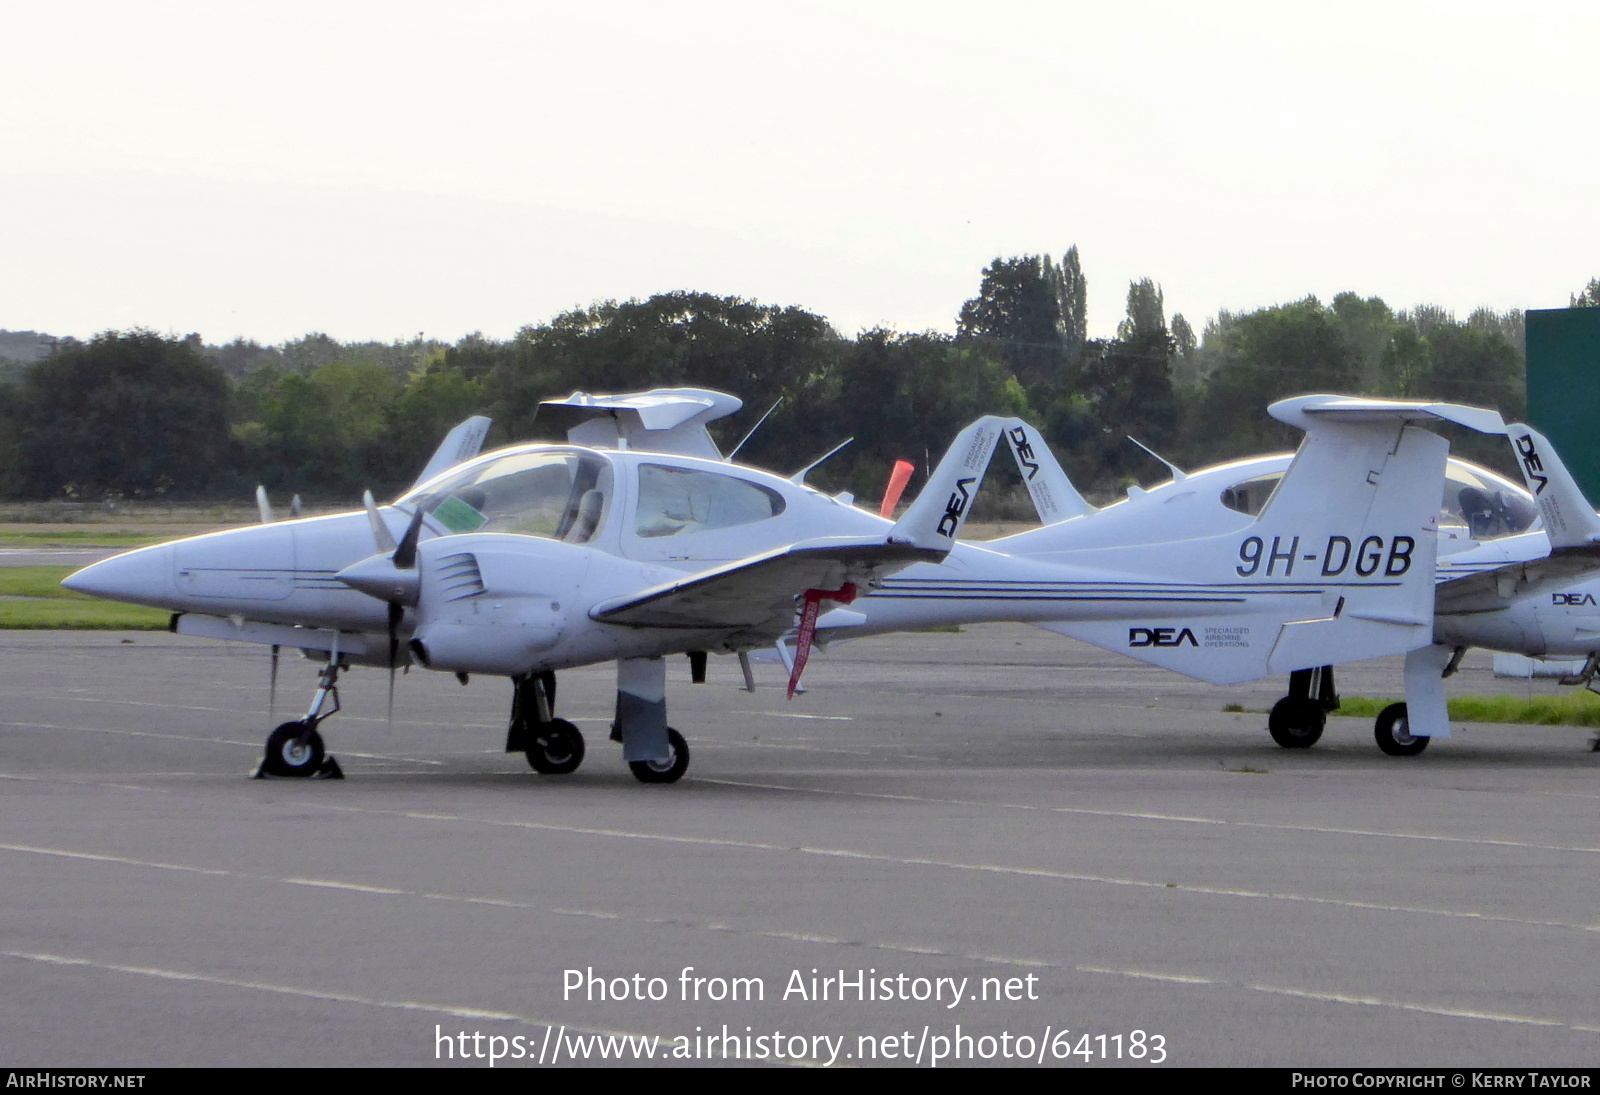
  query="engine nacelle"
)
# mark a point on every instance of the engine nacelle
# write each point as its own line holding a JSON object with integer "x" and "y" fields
{"x": 491, "y": 603}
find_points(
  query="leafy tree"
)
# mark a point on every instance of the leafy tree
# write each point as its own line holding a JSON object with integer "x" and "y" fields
{"x": 905, "y": 397}
{"x": 1267, "y": 355}
{"x": 1019, "y": 314}
{"x": 1147, "y": 311}
{"x": 1185, "y": 365}
{"x": 1366, "y": 325}
{"x": 1590, "y": 297}
{"x": 131, "y": 413}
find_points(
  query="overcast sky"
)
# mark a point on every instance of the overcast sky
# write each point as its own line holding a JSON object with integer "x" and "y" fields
{"x": 375, "y": 170}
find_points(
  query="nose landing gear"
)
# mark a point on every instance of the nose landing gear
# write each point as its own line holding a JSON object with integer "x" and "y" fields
{"x": 295, "y": 750}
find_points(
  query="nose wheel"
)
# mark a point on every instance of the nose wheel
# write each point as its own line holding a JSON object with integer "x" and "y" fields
{"x": 294, "y": 750}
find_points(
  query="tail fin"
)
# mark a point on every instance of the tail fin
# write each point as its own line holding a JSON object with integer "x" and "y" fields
{"x": 1054, "y": 496}
{"x": 1569, "y": 519}
{"x": 934, "y": 520}
{"x": 1338, "y": 567}
{"x": 459, "y": 445}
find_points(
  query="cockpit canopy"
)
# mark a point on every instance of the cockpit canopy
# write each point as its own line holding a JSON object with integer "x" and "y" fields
{"x": 556, "y": 493}
{"x": 566, "y": 494}
{"x": 1487, "y": 506}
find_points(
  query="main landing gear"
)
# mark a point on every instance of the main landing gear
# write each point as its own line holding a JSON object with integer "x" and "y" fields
{"x": 294, "y": 750}
{"x": 1393, "y": 733}
{"x": 554, "y": 747}
{"x": 655, "y": 752}
{"x": 1296, "y": 721}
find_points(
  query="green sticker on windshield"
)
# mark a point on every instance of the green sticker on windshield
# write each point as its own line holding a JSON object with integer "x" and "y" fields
{"x": 457, "y": 516}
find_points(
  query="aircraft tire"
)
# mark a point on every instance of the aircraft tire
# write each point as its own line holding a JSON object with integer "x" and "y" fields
{"x": 1391, "y": 731}
{"x": 670, "y": 771}
{"x": 1296, "y": 724}
{"x": 286, "y": 755}
{"x": 555, "y": 748}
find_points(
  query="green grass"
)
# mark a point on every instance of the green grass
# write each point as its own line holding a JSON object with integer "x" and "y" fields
{"x": 78, "y": 538}
{"x": 43, "y": 604}
{"x": 1574, "y": 707}
{"x": 42, "y": 615}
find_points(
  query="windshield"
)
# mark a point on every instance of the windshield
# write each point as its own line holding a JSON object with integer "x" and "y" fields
{"x": 552, "y": 493}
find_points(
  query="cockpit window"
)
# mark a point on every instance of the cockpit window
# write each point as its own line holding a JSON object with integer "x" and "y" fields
{"x": 1487, "y": 505}
{"x": 1251, "y": 495}
{"x": 559, "y": 495}
{"x": 1476, "y": 499}
{"x": 673, "y": 501}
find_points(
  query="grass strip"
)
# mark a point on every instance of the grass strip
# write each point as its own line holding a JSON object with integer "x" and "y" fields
{"x": 31, "y": 598}
{"x": 1577, "y": 707}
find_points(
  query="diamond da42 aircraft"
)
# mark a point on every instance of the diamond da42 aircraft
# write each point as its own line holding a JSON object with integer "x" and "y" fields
{"x": 636, "y": 540}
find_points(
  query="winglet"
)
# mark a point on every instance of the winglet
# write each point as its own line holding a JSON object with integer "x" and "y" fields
{"x": 934, "y": 520}
{"x": 459, "y": 445}
{"x": 1569, "y": 519}
{"x": 1054, "y": 496}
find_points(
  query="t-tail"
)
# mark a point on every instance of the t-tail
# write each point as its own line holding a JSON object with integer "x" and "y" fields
{"x": 1338, "y": 567}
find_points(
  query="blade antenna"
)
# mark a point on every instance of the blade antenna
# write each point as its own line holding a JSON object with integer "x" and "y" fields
{"x": 799, "y": 477}
{"x": 1178, "y": 474}
{"x": 729, "y": 458}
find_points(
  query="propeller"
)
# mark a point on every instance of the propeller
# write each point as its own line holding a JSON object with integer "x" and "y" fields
{"x": 393, "y": 580}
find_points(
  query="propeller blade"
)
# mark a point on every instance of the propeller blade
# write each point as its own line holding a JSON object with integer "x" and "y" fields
{"x": 380, "y": 531}
{"x": 405, "y": 556}
{"x": 272, "y": 689}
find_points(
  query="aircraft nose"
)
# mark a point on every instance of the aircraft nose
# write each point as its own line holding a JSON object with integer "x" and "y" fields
{"x": 142, "y": 577}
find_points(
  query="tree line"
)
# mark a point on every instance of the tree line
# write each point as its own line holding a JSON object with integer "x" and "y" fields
{"x": 134, "y": 414}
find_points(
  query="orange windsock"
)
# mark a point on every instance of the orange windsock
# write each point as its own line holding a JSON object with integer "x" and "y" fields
{"x": 897, "y": 485}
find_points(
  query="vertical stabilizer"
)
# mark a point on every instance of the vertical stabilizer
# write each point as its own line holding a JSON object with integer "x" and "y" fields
{"x": 1054, "y": 496}
{"x": 1569, "y": 519}
{"x": 934, "y": 520}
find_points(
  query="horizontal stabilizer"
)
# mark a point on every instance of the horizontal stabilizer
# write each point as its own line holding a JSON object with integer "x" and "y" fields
{"x": 660, "y": 420}
{"x": 1305, "y": 410}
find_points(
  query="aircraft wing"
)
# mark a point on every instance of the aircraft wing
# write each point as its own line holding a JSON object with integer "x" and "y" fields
{"x": 758, "y": 594}
{"x": 1489, "y": 590}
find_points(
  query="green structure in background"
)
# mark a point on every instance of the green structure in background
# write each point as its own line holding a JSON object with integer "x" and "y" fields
{"x": 1564, "y": 387}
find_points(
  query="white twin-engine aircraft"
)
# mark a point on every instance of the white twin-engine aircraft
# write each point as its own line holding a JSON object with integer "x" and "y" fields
{"x": 636, "y": 540}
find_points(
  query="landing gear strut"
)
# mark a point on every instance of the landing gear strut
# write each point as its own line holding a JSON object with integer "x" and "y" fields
{"x": 655, "y": 752}
{"x": 294, "y": 749}
{"x": 554, "y": 746}
{"x": 1296, "y": 721}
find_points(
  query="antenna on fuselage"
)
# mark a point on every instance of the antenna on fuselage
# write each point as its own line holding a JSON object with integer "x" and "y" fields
{"x": 729, "y": 458}
{"x": 1178, "y": 474}
{"x": 799, "y": 477}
